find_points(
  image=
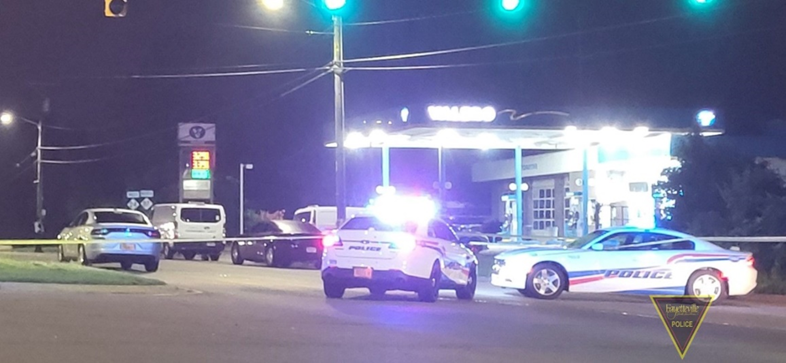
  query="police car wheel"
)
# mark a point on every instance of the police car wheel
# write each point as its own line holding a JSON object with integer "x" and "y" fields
{"x": 468, "y": 292}
{"x": 189, "y": 255}
{"x": 429, "y": 292}
{"x": 125, "y": 265}
{"x": 546, "y": 282}
{"x": 706, "y": 283}
{"x": 333, "y": 290}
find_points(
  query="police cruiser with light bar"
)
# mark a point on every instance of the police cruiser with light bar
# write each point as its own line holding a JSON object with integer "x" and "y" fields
{"x": 400, "y": 246}
{"x": 628, "y": 260}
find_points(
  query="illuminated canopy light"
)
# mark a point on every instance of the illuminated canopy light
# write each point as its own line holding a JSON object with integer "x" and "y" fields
{"x": 487, "y": 141}
{"x": 705, "y": 118}
{"x": 355, "y": 140}
{"x": 397, "y": 210}
{"x": 462, "y": 113}
{"x": 641, "y": 131}
{"x": 335, "y": 4}
{"x": 273, "y": 4}
{"x": 447, "y": 137}
{"x": 378, "y": 137}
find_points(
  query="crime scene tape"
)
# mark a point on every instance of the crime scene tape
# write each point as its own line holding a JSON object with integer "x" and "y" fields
{"x": 57, "y": 242}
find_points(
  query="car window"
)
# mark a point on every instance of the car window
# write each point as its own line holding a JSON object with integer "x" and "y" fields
{"x": 303, "y": 217}
{"x": 676, "y": 245}
{"x": 442, "y": 231}
{"x": 264, "y": 228}
{"x": 200, "y": 215}
{"x": 79, "y": 220}
{"x": 624, "y": 239}
{"x": 119, "y": 217}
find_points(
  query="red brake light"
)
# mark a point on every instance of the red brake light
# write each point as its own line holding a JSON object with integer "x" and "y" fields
{"x": 154, "y": 234}
{"x": 750, "y": 260}
{"x": 331, "y": 240}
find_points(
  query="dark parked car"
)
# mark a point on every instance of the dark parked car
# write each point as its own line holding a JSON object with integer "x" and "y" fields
{"x": 295, "y": 242}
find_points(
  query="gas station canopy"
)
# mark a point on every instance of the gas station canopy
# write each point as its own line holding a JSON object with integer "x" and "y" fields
{"x": 483, "y": 127}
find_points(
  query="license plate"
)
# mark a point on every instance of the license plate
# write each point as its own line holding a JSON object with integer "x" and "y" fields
{"x": 311, "y": 250}
{"x": 211, "y": 244}
{"x": 363, "y": 272}
{"x": 127, "y": 246}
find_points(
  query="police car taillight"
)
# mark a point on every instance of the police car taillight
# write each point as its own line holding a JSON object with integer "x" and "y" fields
{"x": 750, "y": 261}
{"x": 331, "y": 240}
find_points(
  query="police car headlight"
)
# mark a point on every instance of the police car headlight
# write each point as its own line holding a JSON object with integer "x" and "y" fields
{"x": 497, "y": 265}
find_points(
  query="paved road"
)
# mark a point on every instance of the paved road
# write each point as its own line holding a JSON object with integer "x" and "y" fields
{"x": 226, "y": 313}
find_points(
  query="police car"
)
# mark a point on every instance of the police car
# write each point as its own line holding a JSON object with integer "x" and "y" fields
{"x": 398, "y": 247}
{"x": 628, "y": 260}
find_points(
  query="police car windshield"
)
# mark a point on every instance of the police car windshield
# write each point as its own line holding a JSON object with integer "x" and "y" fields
{"x": 584, "y": 240}
{"x": 365, "y": 223}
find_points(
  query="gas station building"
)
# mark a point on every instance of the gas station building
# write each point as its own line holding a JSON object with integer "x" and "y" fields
{"x": 612, "y": 156}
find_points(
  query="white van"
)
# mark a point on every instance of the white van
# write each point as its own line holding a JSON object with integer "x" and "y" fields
{"x": 191, "y": 221}
{"x": 324, "y": 217}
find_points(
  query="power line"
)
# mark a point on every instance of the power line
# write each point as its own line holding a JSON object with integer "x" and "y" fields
{"x": 515, "y": 42}
{"x": 91, "y": 146}
{"x": 276, "y": 30}
{"x": 19, "y": 174}
{"x": 533, "y": 60}
{"x": 218, "y": 74}
{"x": 406, "y": 20}
{"x": 95, "y": 160}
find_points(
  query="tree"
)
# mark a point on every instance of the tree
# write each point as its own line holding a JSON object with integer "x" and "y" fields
{"x": 719, "y": 192}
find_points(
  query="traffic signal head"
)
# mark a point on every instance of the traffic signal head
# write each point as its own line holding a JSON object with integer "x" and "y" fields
{"x": 115, "y": 8}
{"x": 335, "y": 5}
{"x": 510, "y": 5}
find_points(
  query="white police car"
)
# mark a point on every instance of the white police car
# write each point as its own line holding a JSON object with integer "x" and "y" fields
{"x": 628, "y": 260}
{"x": 399, "y": 247}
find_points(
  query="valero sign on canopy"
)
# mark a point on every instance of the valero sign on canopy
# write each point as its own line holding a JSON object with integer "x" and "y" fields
{"x": 462, "y": 113}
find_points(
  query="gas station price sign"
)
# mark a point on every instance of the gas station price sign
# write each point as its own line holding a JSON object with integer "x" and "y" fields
{"x": 200, "y": 164}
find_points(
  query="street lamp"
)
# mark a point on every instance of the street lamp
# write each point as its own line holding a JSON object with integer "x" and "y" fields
{"x": 243, "y": 168}
{"x": 6, "y": 119}
{"x": 337, "y": 68}
{"x": 273, "y": 4}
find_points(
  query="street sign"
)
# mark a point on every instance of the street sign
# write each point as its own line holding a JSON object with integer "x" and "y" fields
{"x": 147, "y": 204}
{"x": 132, "y": 204}
{"x": 146, "y": 194}
{"x": 132, "y": 194}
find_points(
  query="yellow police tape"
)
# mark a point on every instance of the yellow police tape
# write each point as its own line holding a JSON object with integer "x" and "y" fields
{"x": 57, "y": 242}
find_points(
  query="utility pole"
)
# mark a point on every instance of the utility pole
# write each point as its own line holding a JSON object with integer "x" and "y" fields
{"x": 243, "y": 168}
{"x": 338, "y": 83}
{"x": 39, "y": 181}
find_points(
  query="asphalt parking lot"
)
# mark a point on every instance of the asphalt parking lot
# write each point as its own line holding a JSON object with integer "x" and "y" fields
{"x": 216, "y": 311}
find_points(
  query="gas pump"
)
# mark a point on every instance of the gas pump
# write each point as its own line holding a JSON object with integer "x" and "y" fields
{"x": 510, "y": 226}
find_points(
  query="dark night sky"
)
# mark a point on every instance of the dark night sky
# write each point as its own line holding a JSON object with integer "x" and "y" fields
{"x": 729, "y": 56}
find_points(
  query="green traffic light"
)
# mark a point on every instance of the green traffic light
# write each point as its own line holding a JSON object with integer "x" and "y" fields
{"x": 335, "y": 4}
{"x": 511, "y": 5}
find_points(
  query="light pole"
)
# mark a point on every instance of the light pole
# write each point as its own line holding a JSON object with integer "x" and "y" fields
{"x": 7, "y": 119}
{"x": 338, "y": 83}
{"x": 243, "y": 168}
